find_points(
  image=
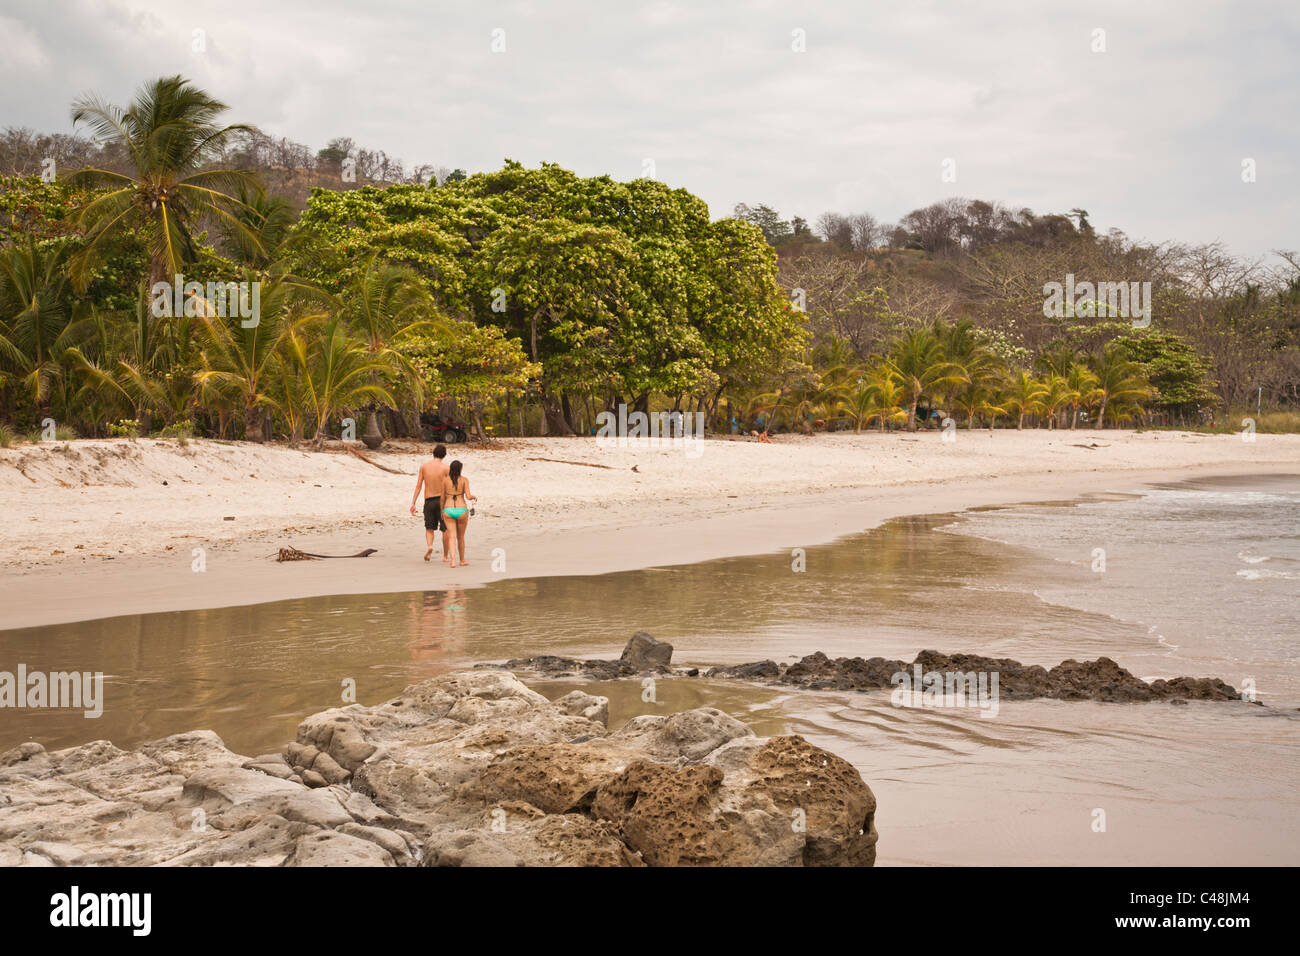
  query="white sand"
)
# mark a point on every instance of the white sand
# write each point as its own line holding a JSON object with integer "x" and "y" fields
{"x": 98, "y": 528}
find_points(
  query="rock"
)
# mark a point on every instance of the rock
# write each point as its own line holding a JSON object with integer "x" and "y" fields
{"x": 837, "y": 809}
{"x": 327, "y": 848}
{"x": 755, "y": 671}
{"x": 585, "y": 705}
{"x": 567, "y": 840}
{"x": 279, "y": 769}
{"x": 567, "y": 666}
{"x": 556, "y": 778}
{"x": 313, "y": 779}
{"x": 1102, "y": 679}
{"x": 468, "y": 768}
{"x": 682, "y": 738}
{"x": 644, "y": 653}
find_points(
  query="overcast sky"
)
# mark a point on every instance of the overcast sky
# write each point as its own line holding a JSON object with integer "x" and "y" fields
{"x": 1149, "y": 136}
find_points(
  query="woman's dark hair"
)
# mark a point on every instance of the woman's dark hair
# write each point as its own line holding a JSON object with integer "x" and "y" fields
{"x": 453, "y": 472}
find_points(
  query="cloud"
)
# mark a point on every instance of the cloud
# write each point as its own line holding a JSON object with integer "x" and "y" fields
{"x": 1148, "y": 136}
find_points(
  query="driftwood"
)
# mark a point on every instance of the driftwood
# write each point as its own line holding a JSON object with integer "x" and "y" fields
{"x": 293, "y": 554}
{"x": 370, "y": 461}
{"x": 561, "y": 461}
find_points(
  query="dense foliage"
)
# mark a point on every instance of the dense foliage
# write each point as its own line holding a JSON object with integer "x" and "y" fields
{"x": 530, "y": 300}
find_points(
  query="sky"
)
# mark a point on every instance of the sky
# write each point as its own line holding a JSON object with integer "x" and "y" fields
{"x": 807, "y": 107}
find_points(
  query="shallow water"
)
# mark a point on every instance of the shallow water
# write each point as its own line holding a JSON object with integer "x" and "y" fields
{"x": 1201, "y": 783}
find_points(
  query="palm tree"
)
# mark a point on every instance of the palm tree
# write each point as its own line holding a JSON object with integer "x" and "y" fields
{"x": 1056, "y": 395}
{"x": 1120, "y": 384}
{"x": 291, "y": 386}
{"x": 343, "y": 373}
{"x": 876, "y": 397}
{"x": 1082, "y": 387}
{"x": 980, "y": 397}
{"x": 155, "y": 365}
{"x": 963, "y": 345}
{"x": 38, "y": 322}
{"x": 918, "y": 360}
{"x": 385, "y": 304}
{"x": 169, "y": 132}
{"x": 267, "y": 219}
{"x": 240, "y": 364}
{"x": 1024, "y": 395}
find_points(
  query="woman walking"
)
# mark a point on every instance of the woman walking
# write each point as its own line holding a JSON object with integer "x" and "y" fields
{"x": 455, "y": 493}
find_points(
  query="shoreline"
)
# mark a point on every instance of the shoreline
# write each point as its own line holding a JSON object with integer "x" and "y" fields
{"x": 593, "y": 535}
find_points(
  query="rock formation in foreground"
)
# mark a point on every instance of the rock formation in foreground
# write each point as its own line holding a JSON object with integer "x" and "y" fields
{"x": 471, "y": 768}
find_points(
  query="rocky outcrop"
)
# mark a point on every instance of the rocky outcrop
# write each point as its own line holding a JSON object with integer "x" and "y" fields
{"x": 643, "y": 654}
{"x": 471, "y": 768}
{"x": 1101, "y": 679}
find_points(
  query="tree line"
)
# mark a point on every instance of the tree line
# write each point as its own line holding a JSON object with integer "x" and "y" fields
{"x": 531, "y": 300}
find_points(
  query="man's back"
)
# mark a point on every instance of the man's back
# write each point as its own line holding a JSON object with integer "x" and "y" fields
{"x": 433, "y": 472}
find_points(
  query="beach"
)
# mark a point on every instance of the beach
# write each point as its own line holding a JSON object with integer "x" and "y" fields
{"x": 855, "y": 546}
{"x": 97, "y": 529}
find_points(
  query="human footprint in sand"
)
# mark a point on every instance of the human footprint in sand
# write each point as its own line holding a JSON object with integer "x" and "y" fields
{"x": 455, "y": 493}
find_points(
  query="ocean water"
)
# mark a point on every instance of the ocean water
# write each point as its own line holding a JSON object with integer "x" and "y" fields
{"x": 1211, "y": 569}
{"x": 1199, "y": 579}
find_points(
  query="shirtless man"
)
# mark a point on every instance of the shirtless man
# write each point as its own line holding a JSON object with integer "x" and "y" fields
{"x": 430, "y": 478}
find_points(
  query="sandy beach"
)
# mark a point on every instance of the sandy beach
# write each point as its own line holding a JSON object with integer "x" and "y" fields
{"x": 97, "y": 529}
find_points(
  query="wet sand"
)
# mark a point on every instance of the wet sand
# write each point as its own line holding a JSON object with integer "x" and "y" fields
{"x": 534, "y": 518}
{"x": 1201, "y": 783}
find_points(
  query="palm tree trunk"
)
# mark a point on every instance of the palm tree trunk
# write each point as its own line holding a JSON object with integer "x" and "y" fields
{"x": 373, "y": 437}
{"x": 252, "y": 423}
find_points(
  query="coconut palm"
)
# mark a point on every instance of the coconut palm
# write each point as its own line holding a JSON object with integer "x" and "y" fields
{"x": 875, "y": 397}
{"x": 1023, "y": 396}
{"x": 154, "y": 366}
{"x": 963, "y": 345}
{"x": 240, "y": 364}
{"x": 342, "y": 373}
{"x": 980, "y": 397}
{"x": 1082, "y": 386}
{"x": 385, "y": 304}
{"x": 290, "y": 388}
{"x": 918, "y": 360}
{"x": 1120, "y": 384}
{"x": 267, "y": 219}
{"x": 168, "y": 133}
{"x": 38, "y": 321}
{"x": 1056, "y": 395}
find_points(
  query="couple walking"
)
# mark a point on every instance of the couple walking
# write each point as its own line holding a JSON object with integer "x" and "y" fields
{"x": 446, "y": 492}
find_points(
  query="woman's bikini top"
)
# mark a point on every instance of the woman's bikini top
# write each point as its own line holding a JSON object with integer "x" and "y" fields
{"x": 458, "y": 494}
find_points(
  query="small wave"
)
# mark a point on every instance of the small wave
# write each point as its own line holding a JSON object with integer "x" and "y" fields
{"x": 1160, "y": 639}
{"x": 1256, "y": 575}
{"x": 1253, "y": 558}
